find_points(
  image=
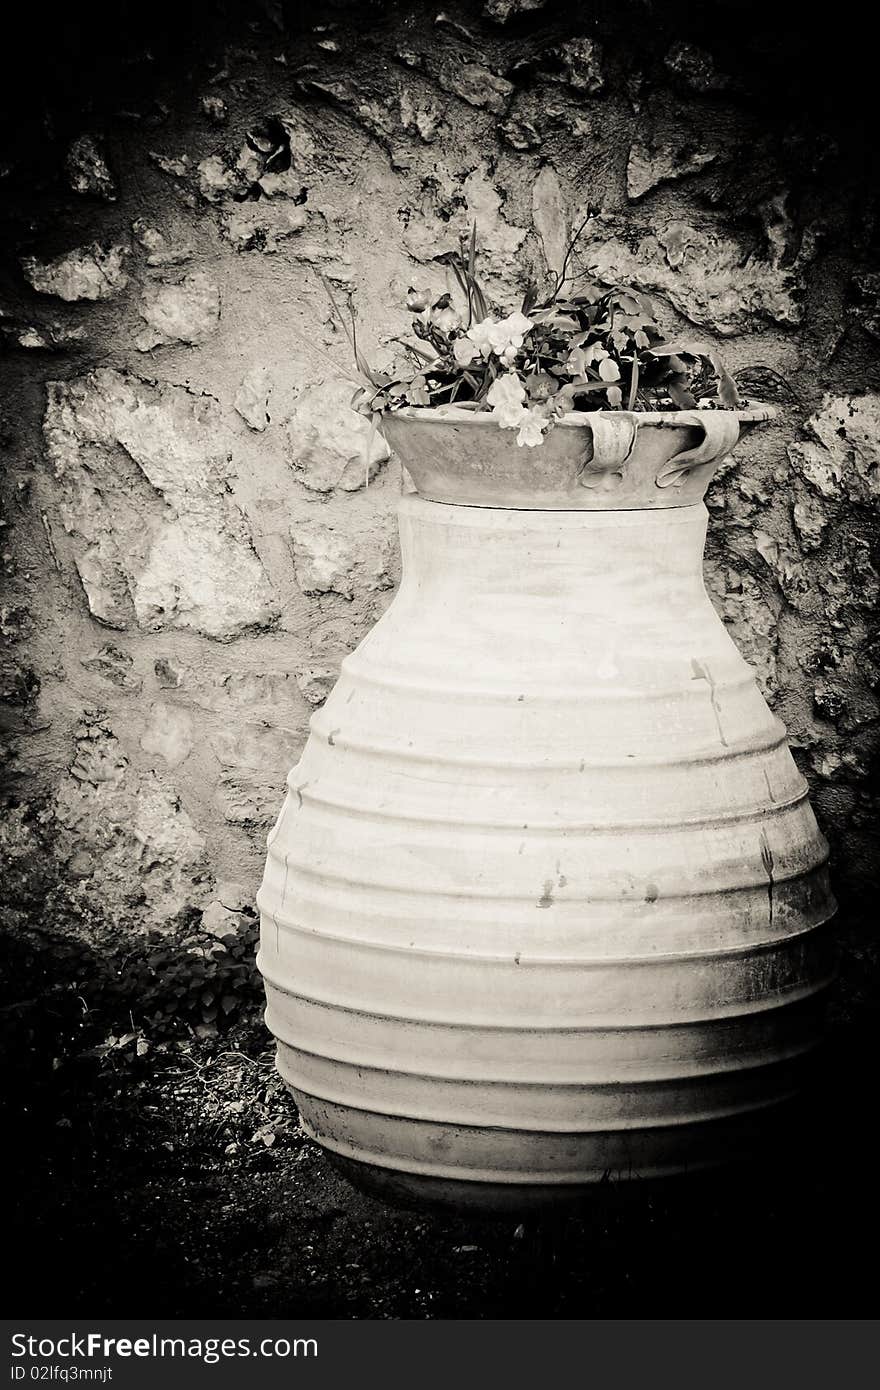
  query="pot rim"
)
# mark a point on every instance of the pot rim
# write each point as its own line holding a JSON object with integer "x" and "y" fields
{"x": 755, "y": 413}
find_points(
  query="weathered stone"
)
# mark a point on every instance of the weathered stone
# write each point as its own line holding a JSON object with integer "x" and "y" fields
{"x": 252, "y": 398}
{"x": 829, "y": 702}
{"x": 519, "y": 134}
{"x": 582, "y": 60}
{"x": 161, "y": 249}
{"x": 158, "y": 543}
{"x": 300, "y": 142}
{"x": 811, "y": 521}
{"x": 445, "y": 219}
{"x": 330, "y": 444}
{"x": 148, "y": 856}
{"x": 184, "y": 313}
{"x": 267, "y": 694}
{"x": 87, "y": 273}
{"x": 261, "y": 226}
{"x": 249, "y": 800}
{"x": 748, "y": 618}
{"x": 87, "y": 169}
{"x": 850, "y": 584}
{"x": 835, "y": 805}
{"x": 650, "y": 165}
{"x": 795, "y": 580}
{"x": 215, "y": 108}
{"x": 425, "y": 118}
{"x": 410, "y": 59}
{"x": 169, "y": 673}
{"x": 695, "y": 68}
{"x": 236, "y": 897}
{"x": 449, "y": 21}
{"x": 316, "y": 682}
{"x": 867, "y": 292}
{"x": 268, "y": 697}
{"x": 286, "y": 183}
{"x": 550, "y": 214}
{"x": 475, "y": 84}
{"x": 218, "y": 921}
{"x": 258, "y": 746}
{"x": 215, "y": 180}
{"x": 219, "y": 178}
{"x": 115, "y": 666}
{"x": 831, "y": 763}
{"x": 344, "y": 561}
{"x": 502, "y": 10}
{"x": 170, "y": 733}
{"x": 16, "y": 623}
{"x": 44, "y": 337}
{"x": 330, "y": 637}
{"x": 101, "y": 567}
{"x": 842, "y": 459}
{"x": 177, "y": 166}
{"x": 704, "y": 274}
{"x": 230, "y": 912}
{"x": 20, "y": 685}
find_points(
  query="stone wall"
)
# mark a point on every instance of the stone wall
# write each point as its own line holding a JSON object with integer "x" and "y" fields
{"x": 197, "y": 526}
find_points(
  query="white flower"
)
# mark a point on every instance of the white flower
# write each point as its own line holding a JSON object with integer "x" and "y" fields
{"x": 609, "y": 370}
{"x": 464, "y": 350}
{"x": 504, "y": 338}
{"x": 479, "y": 336}
{"x": 516, "y": 326}
{"x": 531, "y": 428}
{"x": 444, "y": 317}
{"x": 506, "y": 396}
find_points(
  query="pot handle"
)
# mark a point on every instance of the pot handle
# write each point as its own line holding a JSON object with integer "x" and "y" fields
{"x": 720, "y": 433}
{"x": 614, "y": 438}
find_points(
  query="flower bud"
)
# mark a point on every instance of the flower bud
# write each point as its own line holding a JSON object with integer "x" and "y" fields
{"x": 417, "y": 301}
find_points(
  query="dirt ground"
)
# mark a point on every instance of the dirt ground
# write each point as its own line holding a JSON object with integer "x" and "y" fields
{"x": 177, "y": 1183}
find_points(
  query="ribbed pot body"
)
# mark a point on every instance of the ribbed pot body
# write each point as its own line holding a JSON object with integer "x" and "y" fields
{"x": 545, "y": 899}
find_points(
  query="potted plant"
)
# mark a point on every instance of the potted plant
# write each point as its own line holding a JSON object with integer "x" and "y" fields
{"x": 545, "y": 900}
{"x": 582, "y": 373}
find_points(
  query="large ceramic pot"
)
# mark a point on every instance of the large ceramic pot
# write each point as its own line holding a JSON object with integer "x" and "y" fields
{"x": 545, "y": 901}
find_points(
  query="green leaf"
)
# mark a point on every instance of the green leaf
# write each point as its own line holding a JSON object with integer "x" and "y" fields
{"x": 633, "y": 385}
{"x": 529, "y": 298}
{"x": 728, "y": 394}
{"x": 681, "y": 396}
{"x": 419, "y": 352}
{"x": 688, "y": 347}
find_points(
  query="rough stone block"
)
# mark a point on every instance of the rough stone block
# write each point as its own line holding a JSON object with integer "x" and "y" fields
{"x": 145, "y": 851}
{"x": 840, "y": 461}
{"x": 115, "y": 666}
{"x": 87, "y": 169}
{"x": 650, "y": 165}
{"x": 162, "y": 248}
{"x": 330, "y": 444}
{"x": 252, "y": 398}
{"x": 170, "y": 733}
{"x": 702, "y": 272}
{"x": 185, "y": 313}
{"x": 343, "y": 560}
{"x": 89, "y": 273}
{"x": 158, "y": 543}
